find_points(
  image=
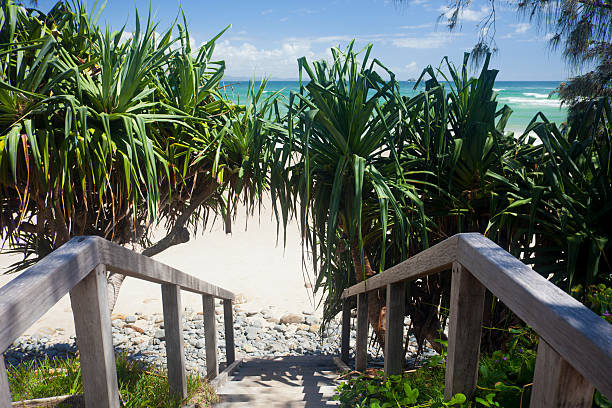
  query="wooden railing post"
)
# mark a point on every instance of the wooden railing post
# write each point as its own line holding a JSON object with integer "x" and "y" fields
{"x": 361, "y": 344}
{"x": 210, "y": 334}
{"x": 346, "y": 330}
{"x": 173, "y": 327}
{"x": 464, "y": 331}
{"x": 5, "y": 391}
{"x": 558, "y": 384}
{"x": 394, "y": 333}
{"x": 228, "y": 320}
{"x": 94, "y": 340}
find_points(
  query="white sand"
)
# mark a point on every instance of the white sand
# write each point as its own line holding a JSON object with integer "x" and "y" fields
{"x": 246, "y": 262}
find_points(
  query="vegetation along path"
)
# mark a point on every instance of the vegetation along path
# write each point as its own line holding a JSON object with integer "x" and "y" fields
{"x": 288, "y": 382}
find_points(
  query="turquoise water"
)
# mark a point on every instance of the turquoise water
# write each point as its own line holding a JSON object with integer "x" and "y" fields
{"x": 526, "y": 98}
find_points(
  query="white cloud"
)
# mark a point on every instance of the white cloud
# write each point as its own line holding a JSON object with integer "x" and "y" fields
{"x": 536, "y": 38}
{"x": 265, "y": 12}
{"x": 247, "y": 60}
{"x": 521, "y": 28}
{"x": 431, "y": 40}
{"x": 329, "y": 39}
{"x": 304, "y": 11}
{"x": 125, "y": 37}
{"x": 467, "y": 14}
{"x": 416, "y": 27}
{"x": 403, "y": 40}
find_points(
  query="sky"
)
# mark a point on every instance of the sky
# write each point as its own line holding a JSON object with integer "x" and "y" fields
{"x": 268, "y": 36}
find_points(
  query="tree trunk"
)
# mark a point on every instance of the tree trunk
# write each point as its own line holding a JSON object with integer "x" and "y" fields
{"x": 423, "y": 310}
{"x": 115, "y": 280}
{"x": 177, "y": 235}
{"x": 376, "y": 299}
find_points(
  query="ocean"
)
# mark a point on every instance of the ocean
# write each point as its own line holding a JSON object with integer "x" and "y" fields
{"x": 526, "y": 98}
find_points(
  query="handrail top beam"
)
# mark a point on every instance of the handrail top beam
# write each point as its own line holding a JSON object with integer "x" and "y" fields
{"x": 437, "y": 258}
{"x": 122, "y": 260}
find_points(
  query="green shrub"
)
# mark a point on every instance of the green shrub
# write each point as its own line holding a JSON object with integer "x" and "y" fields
{"x": 504, "y": 380}
{"x": 421, "y": 388}
{"x": 598, "y": 298}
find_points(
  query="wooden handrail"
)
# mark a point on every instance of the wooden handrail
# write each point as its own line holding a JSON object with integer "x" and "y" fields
{"x": 574, "y": 333}
{"x": 79, "y": 267}
{"x": 27, "y": 298}
{"x": 122, "y": 260}
{"x": 438, "y": 258}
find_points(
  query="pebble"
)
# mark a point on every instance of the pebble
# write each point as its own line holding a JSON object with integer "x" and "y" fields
{"x": 252, "y": 333}
{"x": 256, "y": 333}
{"x": 291, "y": 319}
{"x": 312, "y": 320}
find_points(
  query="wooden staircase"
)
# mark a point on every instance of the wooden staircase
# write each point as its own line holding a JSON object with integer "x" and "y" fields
{"x": 288, "y": 382}
{"x": 574, "y": 351}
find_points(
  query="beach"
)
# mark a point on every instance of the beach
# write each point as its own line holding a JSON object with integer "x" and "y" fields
{"x": 248, "y": 262}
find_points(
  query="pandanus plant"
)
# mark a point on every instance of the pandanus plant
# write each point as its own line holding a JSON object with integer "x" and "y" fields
{"x": 111, "y": 133}
{"x": 571, "y": 205}
{"x": 379, "y": 176}
{"x": 342, "y": 169}
{"x": 456, "y": 146}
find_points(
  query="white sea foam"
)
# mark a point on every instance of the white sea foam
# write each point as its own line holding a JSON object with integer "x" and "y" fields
{"x": 536, "y": 95}
{"x": 499, "y": 89}
{"x": 531, "y": 101}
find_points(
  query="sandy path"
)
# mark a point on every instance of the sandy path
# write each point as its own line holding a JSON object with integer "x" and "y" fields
{"x": 245, "y": 262}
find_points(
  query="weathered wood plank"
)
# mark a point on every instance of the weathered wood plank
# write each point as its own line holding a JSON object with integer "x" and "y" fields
{"x": 228, "y": 320}
{"x": 5, "y": 391}
{"x": 210, "y": 335}
{"x": 346, "y": 330}
{"x": 173, "y": 327}
{"x": 464, "y": 332}
{"x": 223, "y": 376}
{"x": 557, "y": 384}
{"x": 27, "y": 297}
{"x": 394, "y": 333}
{"x": 122, "y": 260}
{"x": 341, "y": 365}
{"x": 94, "y": 340}
{"x": 361, "y": 343}
{"x": 579, "y": 335}
{"x": 438, "y": 258}
{"x": 73, "y": 401}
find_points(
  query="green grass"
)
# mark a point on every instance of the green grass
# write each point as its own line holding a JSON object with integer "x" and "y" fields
{"x": 140, "y": 385}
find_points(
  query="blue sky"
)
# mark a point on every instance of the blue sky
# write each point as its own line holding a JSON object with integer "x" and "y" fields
{"x": 267, "y": 37}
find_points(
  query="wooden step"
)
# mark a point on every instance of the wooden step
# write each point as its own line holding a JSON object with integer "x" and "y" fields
{"x": 254, "y": 389}
{"x": 303, "y": 381}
